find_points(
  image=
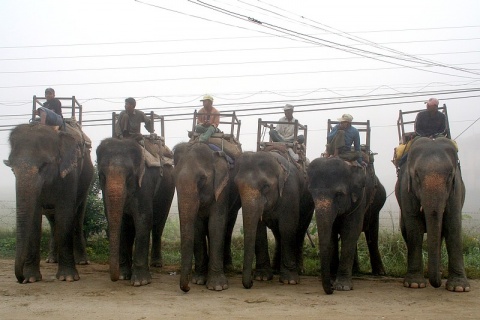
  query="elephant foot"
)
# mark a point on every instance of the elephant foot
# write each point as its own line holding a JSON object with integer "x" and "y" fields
{"x": 125, "y": 273}
{"x": 289, "y": 277}
{"x": 31, "y": 275}
{"x": 140, "y": 278}
{"x": 200, "y": 279}
{"x": 68, "y": 274}
{"x": 51, "y": 259}
{"x": 414, "y": 281}
{"x": 263, "y": 274}
{"x": 156, "y": 263}
{"x": 343, "y": 284}
{"x": 457, "y": 285}
{"x": 217, "y": 282}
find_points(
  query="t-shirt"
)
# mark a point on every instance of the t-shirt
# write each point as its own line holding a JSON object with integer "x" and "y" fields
{"x": 428, "y": 124}
{"x": 286, "y": 130}
{"x": 55, "y": 105}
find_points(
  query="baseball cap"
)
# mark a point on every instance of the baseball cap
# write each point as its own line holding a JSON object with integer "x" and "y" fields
{"x": 346, "y": 117}
{"x": 207, "y": 97}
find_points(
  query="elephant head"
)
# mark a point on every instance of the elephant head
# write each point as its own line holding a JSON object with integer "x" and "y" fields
{"x": 121, "y": 167}
{"x": 42, "y": 160}
{"x": 338, "y": 191}
{"x": 201, "y": 180}
{"x": 260, "y": 178}
{"x": 431, "y": 189}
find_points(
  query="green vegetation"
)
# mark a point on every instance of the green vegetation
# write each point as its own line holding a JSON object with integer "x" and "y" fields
{"x": 392, "y": 249}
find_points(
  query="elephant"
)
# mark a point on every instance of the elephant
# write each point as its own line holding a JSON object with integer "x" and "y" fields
{"x": 53, "y": 172}
{"x": 273, "y": 194}
{"x": 137, "y": 199}
{"x": 430, "y": 192}
{"x": 348, "y": 199}
{"x": 208, "y": 204}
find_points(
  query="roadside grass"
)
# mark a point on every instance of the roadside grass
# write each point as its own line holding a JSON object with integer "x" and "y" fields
{"x": 391, "y": 245}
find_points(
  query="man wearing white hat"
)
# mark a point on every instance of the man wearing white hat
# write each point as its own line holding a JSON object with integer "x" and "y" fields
{"x": 285, "y": 132}
{"x": 431, "y": 122}
{"x": 208, "y": 119}
{"x": 341, "y": 138}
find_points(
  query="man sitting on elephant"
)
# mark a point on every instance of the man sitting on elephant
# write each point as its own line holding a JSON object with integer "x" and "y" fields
{"x": 129, "y": 120}
{"x": 51, "y": 111}
{"x": 285, "y": 132}
{"x": 208, "y": 119}
{"x": 431, "y": 122}
{"x": 341, "y": 138}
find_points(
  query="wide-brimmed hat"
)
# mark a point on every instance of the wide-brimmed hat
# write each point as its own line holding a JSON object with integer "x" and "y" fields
{"x": 288, "y": 107}
{"x": 207, "y": 97}
{"x": 346, "y": 117}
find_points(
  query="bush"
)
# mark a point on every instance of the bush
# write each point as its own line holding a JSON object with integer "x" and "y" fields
{"x": 95, "y": 221}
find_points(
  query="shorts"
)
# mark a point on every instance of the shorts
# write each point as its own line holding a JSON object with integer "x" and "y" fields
{"x": 52, "y": 118}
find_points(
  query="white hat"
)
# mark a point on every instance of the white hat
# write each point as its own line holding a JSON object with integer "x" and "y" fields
{"x": 207, "y": 97}
{"x": 346, "y": 117}
{"x": 288, "y": 107}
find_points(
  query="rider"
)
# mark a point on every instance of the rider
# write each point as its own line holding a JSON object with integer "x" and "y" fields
{"x": 129, "y": 121}
{"x": 341, "y": 138}
{"x": 430, "y": 122}
{"x": 208, "y": 119}
{"x": 51, "y": 111}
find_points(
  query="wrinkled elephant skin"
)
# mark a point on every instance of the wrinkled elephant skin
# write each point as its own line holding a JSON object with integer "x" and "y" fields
{"x": 273, "y": 194}
{"x": 137, "y": 199}
{"x": 208, "y": 205}
{"x": 431, "y": 193}
{"x": 348, "y": 199}
{"x": 53, "y": 173}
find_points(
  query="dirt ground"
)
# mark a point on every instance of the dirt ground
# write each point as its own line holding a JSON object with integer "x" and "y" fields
{"x": 94, "y": 296}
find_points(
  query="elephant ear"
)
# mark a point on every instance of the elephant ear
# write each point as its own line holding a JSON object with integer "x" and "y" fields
{"x": 221, "y": 174}
{"x": 359, "y": 180}
{"x": 141, "y": 168}
{"x": 282, "y": 177}
{"x": 69, "y": 154}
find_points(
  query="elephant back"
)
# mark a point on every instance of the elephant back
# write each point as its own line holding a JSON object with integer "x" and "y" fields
{"x": 75, "y": 130}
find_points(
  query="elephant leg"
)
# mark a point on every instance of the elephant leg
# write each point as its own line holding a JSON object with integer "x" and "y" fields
{"x": 349, "y": 234}
{"x": 288, "y": 266}
{"x": 52, "y": 247}
{"x": 263, "y": 268}
{"x": 413, "y": 235}
{"x": 371, "y": 236}
{"x": 457, "y": 280}
{"x": 140, "y": 269}
{"x": 200, "y": 252}
{"x": 227, "y": 249}
{"x": 64, "y": 229}
{"x": 79, "y": 242}
{"x": 127, "y": 238}
{"x": 216, "y": 279}
{"x": 156, "y": 259}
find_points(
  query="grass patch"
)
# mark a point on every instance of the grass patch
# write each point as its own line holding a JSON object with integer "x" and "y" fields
{"x": 391, "y": 245}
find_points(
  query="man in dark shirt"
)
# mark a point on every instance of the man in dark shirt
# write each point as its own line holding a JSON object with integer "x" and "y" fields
{"x": 431, "y": 122}
{"x": 129, "y": 121}
{"x": 51, "y": 111}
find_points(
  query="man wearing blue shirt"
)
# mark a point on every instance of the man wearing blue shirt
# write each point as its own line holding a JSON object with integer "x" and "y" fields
{"x": 341, "y": 139}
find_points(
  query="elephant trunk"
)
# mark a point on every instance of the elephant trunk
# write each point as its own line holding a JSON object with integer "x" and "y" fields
{"x": 115, "y": 195}
{"x": 188, "y": 206}
{"x": 28, "y": 219}
{"x": 434, "y": 241}
{"x": 252, "y": 210}
{"x": 325, "y": 218}
{"x": 433, "y": 204}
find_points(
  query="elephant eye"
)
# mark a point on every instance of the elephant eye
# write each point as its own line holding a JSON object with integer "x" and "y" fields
{"x": 265, "y": 188}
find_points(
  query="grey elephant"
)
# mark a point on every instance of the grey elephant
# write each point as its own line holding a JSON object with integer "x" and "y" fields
{"x": 135, "y": 195}
{"x": 53, "y": 172}
{"x": 208, "y": 205}
{"x": 346, "y": 203}
{"x": 273, "y": 194}
{"x": 431, "y": 193}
